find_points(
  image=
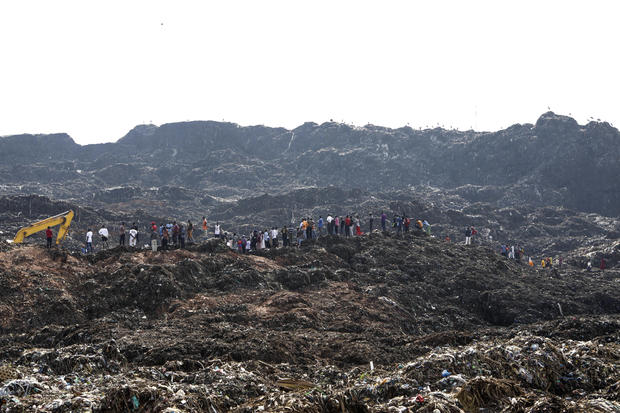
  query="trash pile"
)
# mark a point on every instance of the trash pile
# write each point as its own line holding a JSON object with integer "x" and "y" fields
{"x": 524, "y": 373}
{"x": 373, "y": 324}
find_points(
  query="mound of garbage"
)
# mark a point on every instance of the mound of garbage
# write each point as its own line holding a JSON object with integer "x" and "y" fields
{"x": 366, "y": 324}
{"x": 560, "y": 162}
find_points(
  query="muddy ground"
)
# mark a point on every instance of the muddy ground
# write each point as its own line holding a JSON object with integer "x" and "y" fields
{"x": 355, "y": 325}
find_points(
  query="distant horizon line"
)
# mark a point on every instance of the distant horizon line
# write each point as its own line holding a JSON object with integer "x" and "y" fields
{"x": 342, "y": 122}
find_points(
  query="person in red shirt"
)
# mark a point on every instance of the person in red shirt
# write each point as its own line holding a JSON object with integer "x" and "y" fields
{"x": 347, "y": 225}
{"x": 48, "y": 236}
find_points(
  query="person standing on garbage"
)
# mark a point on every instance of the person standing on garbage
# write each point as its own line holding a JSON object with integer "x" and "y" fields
{"x": 358, "y": 226}
{"x": 217, "y": 230}
{"x": 121, "y": 233}
{"x": 347, "y": 226}
{"x": 261, "y": 240}
{"x": 303, "y": 225}
{"x": 89, "y": 241}
{"x": 175, "y": 234}
{"x": 467, "y": 236}
{"x": 284, "y": 236}
{"x": 427, "y": 227}
{"x": 370, "y": 222}
{"x": 266, "y": 238}
{"x": 133, "y": 237}
{"x": 48, "y": 236}
{"x": 181, "y": 236}
{"x": 336, "y": 225}
{"x": 164, "y": 239}
{"x": 135, "y": 226}
{"x": 309, "y": 228}
{"x": 154, "y": 239}
{"x": 204, "y": 226}
{"x": 274, "y": 237}
{"x": 300, "y": 237}
{"x": 603, "y": 264}
{"x": 104, "y": 236}
{"x": 383, "y": 221}
{"x": 190, "y": 232}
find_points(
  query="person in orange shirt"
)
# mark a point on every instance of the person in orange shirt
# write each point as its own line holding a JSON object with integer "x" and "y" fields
{"x": 204, "y": 225}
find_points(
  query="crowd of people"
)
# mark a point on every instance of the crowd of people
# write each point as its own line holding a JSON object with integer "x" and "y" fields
{"x": 175, "y": 234}
{"x": 308, "y": 228}
{"x": 517, "y": 253}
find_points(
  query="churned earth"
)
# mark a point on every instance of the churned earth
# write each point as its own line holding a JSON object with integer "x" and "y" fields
{"x": 367, "y": 324}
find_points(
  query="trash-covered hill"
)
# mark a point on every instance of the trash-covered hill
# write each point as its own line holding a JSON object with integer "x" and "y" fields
{"x": 554, "y": 162}
{"x": 362, "y": 324}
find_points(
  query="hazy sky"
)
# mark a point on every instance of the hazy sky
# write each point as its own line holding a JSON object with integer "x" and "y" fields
{"x": 96, "y": 69}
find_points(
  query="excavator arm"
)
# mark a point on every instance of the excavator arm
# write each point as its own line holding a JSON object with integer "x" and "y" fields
{"x": 64, "y": 220}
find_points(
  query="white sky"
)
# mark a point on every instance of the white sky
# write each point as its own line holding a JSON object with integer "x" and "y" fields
{"x": 97, "y": 69}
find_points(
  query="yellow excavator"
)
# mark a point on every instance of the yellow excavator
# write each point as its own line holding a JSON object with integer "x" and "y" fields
{"x": 64, "y": 220}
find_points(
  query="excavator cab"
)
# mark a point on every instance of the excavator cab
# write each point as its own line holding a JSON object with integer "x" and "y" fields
{"x": 64, "y": 220}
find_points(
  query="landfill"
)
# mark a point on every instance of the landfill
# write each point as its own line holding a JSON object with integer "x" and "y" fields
{"x": 369, "y": 324}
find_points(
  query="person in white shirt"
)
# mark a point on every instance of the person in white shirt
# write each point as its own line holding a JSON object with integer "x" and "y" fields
{"x": 274, "y": 237}
{"x": 104, "y": 236}
{"x": 133, "y": 236}
{"x": 89, "y": 241}
{"x": 263, "y": 240}
{"x": 217, "y": 230}
{"x": 266, "y": 239}
{"x": 330, "y": 229}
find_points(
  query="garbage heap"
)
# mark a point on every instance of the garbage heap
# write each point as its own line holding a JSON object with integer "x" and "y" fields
{"x": 371, "y": 324}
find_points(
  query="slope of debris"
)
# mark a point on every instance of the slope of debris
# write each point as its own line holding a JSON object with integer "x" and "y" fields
{"x": 554, "y": 162}
{"x": 366, "y": 324}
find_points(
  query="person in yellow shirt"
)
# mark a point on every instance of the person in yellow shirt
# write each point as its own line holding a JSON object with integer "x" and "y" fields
{"x": 543, "y": 263}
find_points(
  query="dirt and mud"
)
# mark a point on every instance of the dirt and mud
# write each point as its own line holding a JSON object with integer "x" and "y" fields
{"x": 369, "y": 324}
